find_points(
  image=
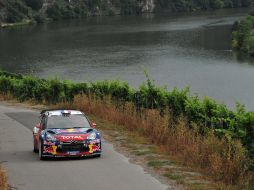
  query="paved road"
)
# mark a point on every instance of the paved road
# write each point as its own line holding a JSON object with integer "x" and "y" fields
{"x": 26, "y": 172}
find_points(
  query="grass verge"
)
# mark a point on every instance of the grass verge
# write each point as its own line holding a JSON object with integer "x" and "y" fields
{"x": 177, "y": 152}
{"x": 223, "y": 160}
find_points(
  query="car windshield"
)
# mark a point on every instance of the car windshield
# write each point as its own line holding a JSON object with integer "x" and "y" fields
{"x": 70, "y": 121}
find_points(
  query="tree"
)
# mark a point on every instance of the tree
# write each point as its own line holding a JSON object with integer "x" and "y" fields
{"x": 246, "y": 3}
{"x": 54, "y": 12}
{"x": 216, "y": 4}
{"x": 35, "y": 4}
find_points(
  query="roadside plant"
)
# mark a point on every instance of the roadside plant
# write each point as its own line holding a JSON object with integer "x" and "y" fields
{"x": 212, "y": 116}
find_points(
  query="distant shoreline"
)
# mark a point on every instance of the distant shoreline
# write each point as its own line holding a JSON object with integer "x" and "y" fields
{"x": 8, "y": 25}
{"x": 66, "y": 11}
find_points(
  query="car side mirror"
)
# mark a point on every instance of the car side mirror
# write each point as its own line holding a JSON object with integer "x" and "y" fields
{"x": 94, "y": 125}
{"x": 36, "y": 129}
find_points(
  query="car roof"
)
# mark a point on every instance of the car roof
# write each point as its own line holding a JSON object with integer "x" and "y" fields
{"x": 60, "y": 112}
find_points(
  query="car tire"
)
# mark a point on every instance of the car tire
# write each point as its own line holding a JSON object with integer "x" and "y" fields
{"x": 97, "y": 156}
{"x": 40, "y": 151}
{"x": 35, "y": 149}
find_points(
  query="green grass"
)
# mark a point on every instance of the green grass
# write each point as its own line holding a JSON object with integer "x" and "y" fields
{"x": 178, "y": 178}
{"x": 173, "y": 176}
{"x": 142, "y": 152}
{"x": 158, "y": 163}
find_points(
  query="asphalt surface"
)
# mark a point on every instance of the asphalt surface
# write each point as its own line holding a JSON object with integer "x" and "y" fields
{"x": 112, "y": 171}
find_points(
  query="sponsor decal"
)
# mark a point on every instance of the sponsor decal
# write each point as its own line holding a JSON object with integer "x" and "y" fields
{"x": 96, "y": 148}
{"x": 54, "y": 150}
{"x": 90, "y": 148}
{"x": 93, "y": 148}
{"x": 71, "y": 130}
{"x": 48, "y": 143}
{"x": 94, "y": 141}
{"x": 73, "y": 152}
{"x": 51, "y": 150}
{"x": 72, "y": 137}
{"x": 58, "y": 131}
{"x": 48, "y": 149}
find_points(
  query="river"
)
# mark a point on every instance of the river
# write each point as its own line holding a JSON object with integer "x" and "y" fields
{"x": 178, "y": 50}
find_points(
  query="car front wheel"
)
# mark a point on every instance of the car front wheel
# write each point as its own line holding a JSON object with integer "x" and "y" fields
{"x": 35, "y": 149}
{"x": 41, "y": 151}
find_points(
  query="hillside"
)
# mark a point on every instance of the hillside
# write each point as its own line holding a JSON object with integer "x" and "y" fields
{"x": 12, "y": 11}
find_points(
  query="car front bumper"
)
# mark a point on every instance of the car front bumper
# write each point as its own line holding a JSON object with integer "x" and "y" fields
{"x": 78, "y": 149}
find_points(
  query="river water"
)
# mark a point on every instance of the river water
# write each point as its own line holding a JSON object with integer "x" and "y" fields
{"x": 178, "y": 50}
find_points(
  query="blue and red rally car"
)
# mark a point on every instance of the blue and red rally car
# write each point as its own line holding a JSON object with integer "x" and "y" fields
{"x": 66, "y": 133}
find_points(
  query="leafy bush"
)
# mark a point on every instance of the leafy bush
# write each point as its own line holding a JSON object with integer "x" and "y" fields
{"x": 212, "y": 116}
{"x": 250, "y": 45}
{"x": 242, "y": 35}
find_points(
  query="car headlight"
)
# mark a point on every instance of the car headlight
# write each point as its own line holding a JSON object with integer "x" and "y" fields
{"x": 92, "y": 136}
{"x": 50, "y": 137}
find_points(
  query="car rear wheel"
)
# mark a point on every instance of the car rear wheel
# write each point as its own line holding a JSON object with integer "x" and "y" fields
{"x": 35, "y": 149}
{"x": 40, "y": 151}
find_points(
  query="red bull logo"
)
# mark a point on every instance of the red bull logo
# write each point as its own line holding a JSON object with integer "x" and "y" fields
{"x": 51, "y": 149}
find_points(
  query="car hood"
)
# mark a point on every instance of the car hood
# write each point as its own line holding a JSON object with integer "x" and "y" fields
{"x": 78, "y": 134}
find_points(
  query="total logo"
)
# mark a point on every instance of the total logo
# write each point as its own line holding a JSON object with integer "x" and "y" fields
{"x": 72, "y": 137}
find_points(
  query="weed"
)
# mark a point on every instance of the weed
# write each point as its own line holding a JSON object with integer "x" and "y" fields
{"x": 3, "y": 180}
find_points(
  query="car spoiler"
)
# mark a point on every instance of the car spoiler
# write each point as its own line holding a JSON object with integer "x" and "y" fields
{"x": 43, "y": 111}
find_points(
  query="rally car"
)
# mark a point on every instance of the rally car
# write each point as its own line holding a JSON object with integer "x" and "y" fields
{"x": 66, "y": 133}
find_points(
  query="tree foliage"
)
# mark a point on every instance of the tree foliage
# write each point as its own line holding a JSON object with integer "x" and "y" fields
{"x": 243, "y": 35}
{"x": 34, "y": 4}
{"x": 19, "y": 10}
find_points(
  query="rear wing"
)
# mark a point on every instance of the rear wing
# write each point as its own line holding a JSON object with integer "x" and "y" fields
{"x": 43, "y": 111}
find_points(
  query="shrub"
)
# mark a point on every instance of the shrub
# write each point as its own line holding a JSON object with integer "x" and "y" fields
{"x": 224, "y": 159}
{"x": 5, "y": 84}
{"x": 242, "y": 35}
{"x": 207, "y": 113}
{"x": 249, "y": 45}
